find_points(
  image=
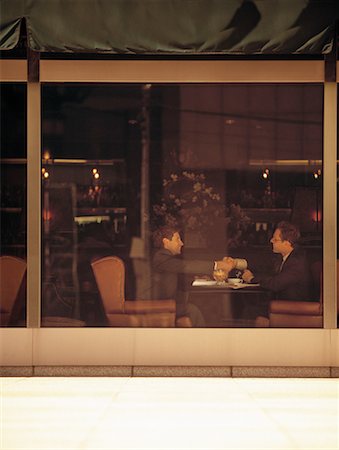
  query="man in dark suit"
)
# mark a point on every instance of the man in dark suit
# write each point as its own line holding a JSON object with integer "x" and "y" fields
{"x": 169, "y": 270}
{"x": 291, "y": 279}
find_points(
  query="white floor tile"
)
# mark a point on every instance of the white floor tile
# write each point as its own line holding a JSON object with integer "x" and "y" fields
{"x": 169, "y": 413}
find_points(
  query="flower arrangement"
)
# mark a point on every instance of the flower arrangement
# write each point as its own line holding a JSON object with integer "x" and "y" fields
{"x": 189, "y": 200}
{"x": 237, "y": 225}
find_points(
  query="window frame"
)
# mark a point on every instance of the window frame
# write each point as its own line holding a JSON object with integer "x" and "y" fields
{"x": 139, "y": 343}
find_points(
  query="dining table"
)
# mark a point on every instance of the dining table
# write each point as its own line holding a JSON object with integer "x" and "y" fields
{"x": 235, "y": 299}
{"x": 205, "y": 286}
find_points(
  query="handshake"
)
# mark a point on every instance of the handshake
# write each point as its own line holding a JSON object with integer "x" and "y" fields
{"x": 227, "y": 264}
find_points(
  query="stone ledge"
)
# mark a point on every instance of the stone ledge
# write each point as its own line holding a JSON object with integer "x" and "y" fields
{"x": 16, "y": 371}
{"x": 170, "y": 371}
{"x": 82, "y": 371}
{"x": 281, "y": 372}
{"x": 181, "y": 371}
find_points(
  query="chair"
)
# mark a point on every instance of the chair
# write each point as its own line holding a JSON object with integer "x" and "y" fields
{"x": 109, "y": 274}
{"x": 299, "y": 314}
{"x": 12, "y": 273}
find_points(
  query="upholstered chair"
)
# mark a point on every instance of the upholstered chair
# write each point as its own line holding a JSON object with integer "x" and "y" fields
{"x": 299, "y": 314}
{"x": 109, "y": 274}
{"x": 12, "y": 273}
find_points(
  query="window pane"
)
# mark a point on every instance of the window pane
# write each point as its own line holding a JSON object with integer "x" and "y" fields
{"x": 222, "y": 164}
{"x": 13, "y": 204}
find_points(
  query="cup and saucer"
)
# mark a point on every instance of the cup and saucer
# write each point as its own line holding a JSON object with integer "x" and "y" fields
{"x": 234, "y": 281}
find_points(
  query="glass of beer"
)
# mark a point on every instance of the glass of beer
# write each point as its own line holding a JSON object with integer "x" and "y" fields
{"x": 220, "y": 276}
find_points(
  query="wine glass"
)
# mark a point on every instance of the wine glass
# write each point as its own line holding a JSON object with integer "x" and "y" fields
{"x": 220, "y": 276}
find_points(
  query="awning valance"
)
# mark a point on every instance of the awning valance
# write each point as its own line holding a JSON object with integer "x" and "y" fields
{"x": 171, "y": 26}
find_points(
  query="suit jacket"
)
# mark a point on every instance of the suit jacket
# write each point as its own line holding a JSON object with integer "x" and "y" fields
{"x": 292, "y": 282}
{"x": 168, "y": 276}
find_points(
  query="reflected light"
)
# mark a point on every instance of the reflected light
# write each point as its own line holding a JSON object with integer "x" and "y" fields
{"x": 285, "y": 162}
{"x": 96, "y": 176}
{"x": 316, "y": 216}
{"x": 94, "y": 171}
{"x": 84, "y": 220}
{"x": 46, "y": 174}
{"x": 46, "y": 155}
{"x": 266, "y": 173}
{"x": 47, "y": 216}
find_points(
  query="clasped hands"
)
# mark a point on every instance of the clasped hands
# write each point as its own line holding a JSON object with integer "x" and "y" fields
{"x": 228, "y": 263}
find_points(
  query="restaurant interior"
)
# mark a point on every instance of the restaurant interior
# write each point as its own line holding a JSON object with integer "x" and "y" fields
{"x": 227, "y": 162}
{"x": 222, "y": 120}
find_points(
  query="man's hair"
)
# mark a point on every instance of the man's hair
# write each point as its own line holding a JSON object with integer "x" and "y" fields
{"x": 289, "y": 232}
{"x": 165, "y": 231}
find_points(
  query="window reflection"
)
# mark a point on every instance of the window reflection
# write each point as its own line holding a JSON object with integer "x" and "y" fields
{"x": 337, "y": 221}
{"x": 13, "y": 205}
{"x": 227, "y": 163}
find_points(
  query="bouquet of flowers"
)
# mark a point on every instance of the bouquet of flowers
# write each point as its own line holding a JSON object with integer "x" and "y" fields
{"x": 189, "y": 200}
{"x": 237, "y": 225}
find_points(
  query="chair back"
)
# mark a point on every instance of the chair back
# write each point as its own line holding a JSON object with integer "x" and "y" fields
{"x": 109, "y": 274}
{"x": 12, "y": 271}
{"x": 300, "y": 314}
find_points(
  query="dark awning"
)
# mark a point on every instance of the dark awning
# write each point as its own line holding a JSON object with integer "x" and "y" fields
{"x": 171, "y": 26}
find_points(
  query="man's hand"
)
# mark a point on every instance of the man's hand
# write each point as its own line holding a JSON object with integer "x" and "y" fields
{"x": 230, "y": 261}
{"x": 227, "y": 264}
{"x": 247, "y": 276}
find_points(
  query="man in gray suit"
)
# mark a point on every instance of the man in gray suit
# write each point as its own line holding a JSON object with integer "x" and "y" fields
{"x": 169, "y": 270}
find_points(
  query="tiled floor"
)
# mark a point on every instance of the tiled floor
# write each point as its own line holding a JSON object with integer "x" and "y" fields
{"x": 169, "y": 413}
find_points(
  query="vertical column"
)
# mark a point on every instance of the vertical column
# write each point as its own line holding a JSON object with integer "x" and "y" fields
{"x": 145, "y": 161}
{"x": 33, "y": 191}
{"x": 330, "y": 205}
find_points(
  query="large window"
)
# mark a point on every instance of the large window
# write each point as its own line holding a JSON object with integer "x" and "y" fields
{"x": 13, "y": 204}
{"x": 221, "y": 164}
